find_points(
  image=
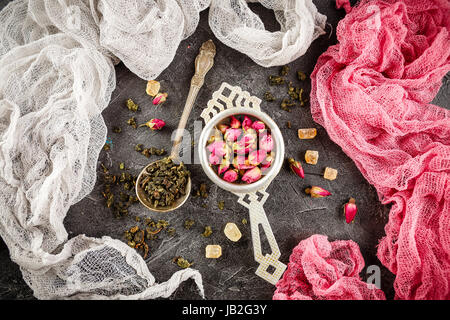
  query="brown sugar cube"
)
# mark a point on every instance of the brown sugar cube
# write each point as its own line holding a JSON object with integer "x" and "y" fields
{"x": 213, "y": 251}
{"x": 153, "y": 87}
{"x": 307, "y": 133}
{"x": 232, "y": 232}
{"x": 330, "y": 173}
{"x": 311, "y": 156}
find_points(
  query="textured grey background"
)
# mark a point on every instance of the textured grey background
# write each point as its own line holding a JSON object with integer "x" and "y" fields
{"x": 293, "y": 215}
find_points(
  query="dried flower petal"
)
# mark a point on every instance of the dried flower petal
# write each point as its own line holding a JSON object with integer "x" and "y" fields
{"x": 258, "y": 126}
{"x": 350, "y": 210}
{"x": 256, "y": 157}
{"x": 154, "y": 124}
{"x": 231, "y": 175}
{"x": 317, "y": 192}
{"x": 235, "y": 123}
{"x": 153, "y": 87}
{"x": 218, "y": 148}
{"x": 222, "y": 127}
{"x": 232, "y": 134}
{"x": 252, "y": 175}
{"x": 160, "y": 98}
{"x": 266, "y": 142}
{"x": 214, "y": 159}
{"x": 247, "y": 123}
{"x": 224, "y": 165}
{"x": 296, "y": 167}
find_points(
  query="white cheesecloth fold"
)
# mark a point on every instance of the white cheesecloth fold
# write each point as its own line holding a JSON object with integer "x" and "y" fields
{"x": 56, "y": 77}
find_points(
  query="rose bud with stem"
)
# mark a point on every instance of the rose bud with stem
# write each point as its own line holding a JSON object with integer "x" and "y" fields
{"x": 154, "y": 124}
{"x": 317, "y": 192}
{"x": 296, "y": 167}
{"x": 350, "y": 210}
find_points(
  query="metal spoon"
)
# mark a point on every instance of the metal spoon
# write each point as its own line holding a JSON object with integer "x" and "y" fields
{"x": 203, "y": 63}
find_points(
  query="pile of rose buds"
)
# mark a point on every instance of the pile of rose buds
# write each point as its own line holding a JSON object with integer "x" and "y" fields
{"x": 240, "y": 150}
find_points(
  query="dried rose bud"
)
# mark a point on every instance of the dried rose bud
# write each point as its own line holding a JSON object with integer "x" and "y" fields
{"x": 256, "y": 157}
{"x": 235, "y": 123}
{"x": 241, "y": 163}
{"x": 266, "y": 142}
{"x": 252, "y": 175}
{"x": 222, "y": 127}
{"x": 153, "y": 87}
{"x": 245, "y": 144}
{"x": 160, "y": 98}
{"x": 224, "y": 165}
{"x": 350, "y": 210}
{"x": 154, "y": 124}
{"x": 214, "y": 159}
{"x": 232, "y": 134}
{"x": 218, "y": 148}
{"x": 296, "y": 167}
{"x": 231, "y": 175}
{"x": 267, "y": 162}
{"x": 317, "y": 192}
{"x": 258, "y": 126}
{"x": 247, "y": 123}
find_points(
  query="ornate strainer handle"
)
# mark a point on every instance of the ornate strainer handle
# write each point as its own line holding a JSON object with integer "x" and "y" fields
{"x": 230, "y": 97}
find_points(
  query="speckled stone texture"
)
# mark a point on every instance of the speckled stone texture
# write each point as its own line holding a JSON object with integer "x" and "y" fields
{"x": 292, "y": 214}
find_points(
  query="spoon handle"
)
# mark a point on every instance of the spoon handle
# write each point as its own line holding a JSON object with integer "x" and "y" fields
{"x": 203, "y": 63}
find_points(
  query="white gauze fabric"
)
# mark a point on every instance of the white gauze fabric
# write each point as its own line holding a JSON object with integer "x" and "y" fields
{"x": 56, "y": 77}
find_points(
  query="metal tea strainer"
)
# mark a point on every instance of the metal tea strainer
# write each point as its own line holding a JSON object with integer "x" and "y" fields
{"x": 230, "y": 100}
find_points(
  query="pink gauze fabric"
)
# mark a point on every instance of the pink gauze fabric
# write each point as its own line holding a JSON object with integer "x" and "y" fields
{"x": 371, "y": 93}
{"x": 320, "y": 270}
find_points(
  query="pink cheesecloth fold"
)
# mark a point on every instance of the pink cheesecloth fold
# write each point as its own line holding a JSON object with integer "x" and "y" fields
{"x": 371, "y": 93}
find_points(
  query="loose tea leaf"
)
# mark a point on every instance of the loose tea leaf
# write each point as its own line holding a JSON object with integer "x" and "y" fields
{"x": 301, "y": 75}
{"x": 189, "y": 223}
{"x": 221, "y": 205}
{"x": 284, "y": 70}
{"x": 132, "y": 106}
{"x": 132, "y": 122}
{"x": 244, "y": 221}
{"x": 286, "y": 104}
{"x": 117, "y": 129}
{"x": 181, "y": 262}
{"x": 276, "y": 80}
{"x": 207, "y": 232}
{"x": 163, "y": 182}
{"x": 268, "y": 96}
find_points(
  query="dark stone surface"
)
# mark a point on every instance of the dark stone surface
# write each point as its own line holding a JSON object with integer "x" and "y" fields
{"x": 293, "y": 215}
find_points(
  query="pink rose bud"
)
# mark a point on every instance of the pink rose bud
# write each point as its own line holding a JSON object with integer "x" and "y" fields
{"x": 266, "y": 142}
{"x": 241, "y": 163}
{"x": 154, "y": 124}
{"x": 258, "y": 125}
{"x": 214, "y": 159}
{"x": 235, "y": 123}
{"x": 218, "y": 148}
{"x": 317, "y": 192}
{"x": 296, "y": 167}
{"x": 231, "y": 175}
{"x": 350, "y": 210}
{"x": 267, "y": 162}
{"x": 224, "y": 165}
{"x": 256, "y": 157}
{"x": 232, "y": 134}
{"x": 252, "y": 175}
{"x": 222, "y": 127}
{"x": 160, "y": 98}
{"x": 247, "y": 123}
